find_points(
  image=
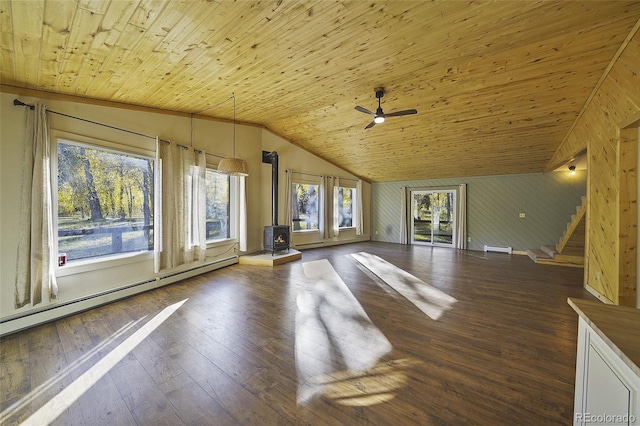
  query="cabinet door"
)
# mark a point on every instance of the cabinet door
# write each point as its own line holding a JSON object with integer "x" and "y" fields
{"x": 606, "y": 393}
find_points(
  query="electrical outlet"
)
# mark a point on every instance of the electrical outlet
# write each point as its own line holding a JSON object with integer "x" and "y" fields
{"x": 468, "y": 239}
{"x": 377, "y": 232}
{"x": 521, "y": 215}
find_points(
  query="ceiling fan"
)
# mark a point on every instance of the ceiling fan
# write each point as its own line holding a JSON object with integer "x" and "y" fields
{"x": 379, "y": 115}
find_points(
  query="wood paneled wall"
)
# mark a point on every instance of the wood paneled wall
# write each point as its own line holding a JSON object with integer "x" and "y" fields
{"x": 611, "y": 249}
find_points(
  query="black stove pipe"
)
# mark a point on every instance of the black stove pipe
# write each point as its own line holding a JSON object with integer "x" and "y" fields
{"x": 272, "y": 158}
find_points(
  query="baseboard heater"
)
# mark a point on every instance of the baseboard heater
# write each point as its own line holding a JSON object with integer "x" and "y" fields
{"x": 25, "y": 320}
{"x": 498, "y": 249}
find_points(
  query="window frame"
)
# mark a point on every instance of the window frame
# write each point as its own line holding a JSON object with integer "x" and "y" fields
{"x": 354, "y": 194}
{"x": 320, "y": 207}
{"x": 100, "y": 262}
{"x": 234, "y": 206}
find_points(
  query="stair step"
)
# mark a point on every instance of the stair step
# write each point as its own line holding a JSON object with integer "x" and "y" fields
{"x": 537, "y": 255}
{"x": 540, "y": 257}
{"x": 549, "y": 251}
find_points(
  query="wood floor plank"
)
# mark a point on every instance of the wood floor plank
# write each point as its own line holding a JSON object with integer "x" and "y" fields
{"x": 193, "y": 404}
{"x": 158, "y": 365}
{"x": 146, "y": 402}
{"x": 239, "y": 403}
{"x": 15, "y": 377}
{"x": 235, "y": 352}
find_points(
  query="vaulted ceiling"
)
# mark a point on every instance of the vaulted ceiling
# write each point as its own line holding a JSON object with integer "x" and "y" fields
{"x": 497, "y": 84}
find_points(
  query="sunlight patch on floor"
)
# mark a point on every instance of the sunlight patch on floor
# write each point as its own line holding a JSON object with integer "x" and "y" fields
{"x": 59, "y": 403}
{"x": 53, "y": 381}
{"x": 333, "y": 332}
{"x": 428, "y": 299}
{"x": 374, "y": 386}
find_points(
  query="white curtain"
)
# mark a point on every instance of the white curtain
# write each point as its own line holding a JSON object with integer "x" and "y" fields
{"x": 242, "y": 216}
{"x": 328, "y": 225}
{"x": 359, "y": 218}
{"x": 157, "y": 207}
{"x": 404, "y": 224}
{"x": 335, "y": 207}
{"x": 199, "y": 206}
{"x": 35, "y": 270}
{"x": 182, "y": 220}
{"x": 461, "y": 230}
{"x": 288, "y": 207}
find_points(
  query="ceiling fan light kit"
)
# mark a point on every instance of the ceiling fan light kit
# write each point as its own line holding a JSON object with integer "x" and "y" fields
{"x": 379, "y": 116}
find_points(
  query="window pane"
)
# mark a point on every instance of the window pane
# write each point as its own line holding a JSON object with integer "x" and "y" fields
{"x": 345, "y": 207}
{"x": 305, "y": 207}
{"x": 105, "y": 202}
{"x": 218, "y": 202}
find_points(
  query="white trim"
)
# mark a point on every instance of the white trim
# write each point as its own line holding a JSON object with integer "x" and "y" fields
{"x": 454, "y": 227}
{"x": 498, "y": 249}
{"x": 597, "y": 295}
{"x": 25, "y": 320}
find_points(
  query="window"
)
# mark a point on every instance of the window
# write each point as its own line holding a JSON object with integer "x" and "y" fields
{"x": 346, "y": 203}
{"x": 305, "y": 207}
{"x": 218, "y": 206}
{"x": 105, "y": 201}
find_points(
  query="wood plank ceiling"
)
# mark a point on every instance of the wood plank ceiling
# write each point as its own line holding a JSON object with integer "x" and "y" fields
{"x": 497, "y": 84}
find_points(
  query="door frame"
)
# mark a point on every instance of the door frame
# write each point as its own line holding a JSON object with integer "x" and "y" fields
{"x": 454, "y": 216}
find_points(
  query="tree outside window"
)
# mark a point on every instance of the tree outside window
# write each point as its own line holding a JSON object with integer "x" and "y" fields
{"x": 105, "y": 201}
{"x": 218, "y": 206}
{"x": 345, "y": 207}
{"x": 305, "y": 207}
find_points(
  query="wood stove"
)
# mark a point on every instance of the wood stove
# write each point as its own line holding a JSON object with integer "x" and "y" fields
{"x": 276, "y": 237}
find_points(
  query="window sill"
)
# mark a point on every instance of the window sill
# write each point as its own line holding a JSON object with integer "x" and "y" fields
{"x": 304, "y": 231}
{"x": 222, "y": 242}
{"x": 86, "y": 265}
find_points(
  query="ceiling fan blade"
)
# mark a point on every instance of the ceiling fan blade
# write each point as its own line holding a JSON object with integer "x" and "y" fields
{"x": 370, "y": 125}
{"x": 404, "y": 112}
{"x": 366, "y": 111}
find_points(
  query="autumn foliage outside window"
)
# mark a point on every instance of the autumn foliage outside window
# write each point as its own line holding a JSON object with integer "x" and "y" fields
{"x": 105, "y": 201}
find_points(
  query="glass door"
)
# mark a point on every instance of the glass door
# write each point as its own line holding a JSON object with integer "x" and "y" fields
{"x": 433, "y": 217}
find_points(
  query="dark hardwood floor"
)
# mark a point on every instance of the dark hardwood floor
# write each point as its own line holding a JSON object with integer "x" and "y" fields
{"x": 277, "y": 345}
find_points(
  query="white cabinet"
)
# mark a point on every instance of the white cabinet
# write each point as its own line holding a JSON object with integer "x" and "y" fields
{"x": 607, "y": 388}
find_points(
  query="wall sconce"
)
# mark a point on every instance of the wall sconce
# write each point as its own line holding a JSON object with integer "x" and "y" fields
{"x": 572, "y": 169}
{"x": 233, "y": 166}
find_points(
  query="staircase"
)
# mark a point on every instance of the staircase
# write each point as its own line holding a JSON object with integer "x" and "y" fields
{"x": 570, "y": 249}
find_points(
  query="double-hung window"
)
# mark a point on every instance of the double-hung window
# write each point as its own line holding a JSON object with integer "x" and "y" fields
{"x": 104, "y": 200}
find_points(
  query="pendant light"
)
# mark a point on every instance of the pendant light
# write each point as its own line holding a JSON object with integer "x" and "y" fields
{"x": 233, "y": 166}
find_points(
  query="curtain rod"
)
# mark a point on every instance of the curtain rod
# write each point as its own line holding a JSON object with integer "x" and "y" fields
{"x": 17, "y": 102}
{"x": 311, "y": 174}
{"x": 189, "y": 147}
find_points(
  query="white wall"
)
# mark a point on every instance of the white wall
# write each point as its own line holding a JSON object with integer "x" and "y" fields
{"x": 211, "y": 136}
{"x": 293, "y": 158}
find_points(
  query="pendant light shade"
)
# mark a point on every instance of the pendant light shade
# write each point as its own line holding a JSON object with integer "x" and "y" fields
{"x": 233, "y": 166}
